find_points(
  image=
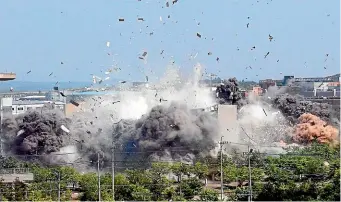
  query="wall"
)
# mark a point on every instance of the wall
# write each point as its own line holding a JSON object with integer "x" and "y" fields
{"x": 227, "y": 120}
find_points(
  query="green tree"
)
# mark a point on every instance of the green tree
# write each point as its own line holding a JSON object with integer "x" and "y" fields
{"x": 190, "y": 187}
{"x": 209, "y": 195}
{"x": 140, "y": 193}
{"x": 200, "y": 170}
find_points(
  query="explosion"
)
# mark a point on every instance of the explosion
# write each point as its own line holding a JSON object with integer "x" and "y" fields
{"x": 312, "y": 128}
{"x": 172, "y": 131}
{"x": 36, "y": 132}
{"x": 294, "y": 106}
{"x": 168, "y": 122}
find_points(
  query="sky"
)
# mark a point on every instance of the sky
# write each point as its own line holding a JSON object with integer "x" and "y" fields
{"x": 39, "y": 35}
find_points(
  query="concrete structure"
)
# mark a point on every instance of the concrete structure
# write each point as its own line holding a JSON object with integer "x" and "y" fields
{"x": 13, "y": 174}
{"x": 227, "y": 120}
{"x": 7, "y": 76}
{"x": 8, "y": 105}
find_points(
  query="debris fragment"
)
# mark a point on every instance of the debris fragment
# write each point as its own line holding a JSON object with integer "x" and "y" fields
{"x": 64, "y": 129}
{"x": 277, "y": 60}
{"x": 147, "y": 78}
{"x": 264, "y": 112}
{"x": 217, "y": 59}
{"x": 61, "y": 63}
{"x": 162, "y": 100}
{"x": 247, "y": 25}
{"x": 62, "y": 94}
{"x": 266, "y": 54}
{"x": 140, "y": 19}
{"x": 121, "y": 20}
{"x": 116, "y": 102}
{"x": 144, "y": 54}
{"x": 198, "y": 35}
{"x": 175, "y": 1}
{"x": 160, "y": 19}
{"x": 253, "y": 47}
{"x": 74, "y": 103}
{"x": 270, "y": 38}
{"x": 28, "y": 72}
{"x": 20, "y": 132}
{"x": 123, "y": 82}
{"x": 107, "y": 78}
{"x": 167, "y": 4}
{"x": 162, "y": 52}
{"x": 108, "y": 43}
{"x": 209, "y": 53}
{"x": 51, "y": 74}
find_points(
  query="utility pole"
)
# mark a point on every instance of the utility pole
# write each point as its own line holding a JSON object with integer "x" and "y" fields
{"x": 113, "y": 169}
{"x": 221, "y": 169}
{"x": 99, "y": 179}
{"x": 1, "y": 120}
{"x": 249, "y": 162}
{"x": 58, "y": 186}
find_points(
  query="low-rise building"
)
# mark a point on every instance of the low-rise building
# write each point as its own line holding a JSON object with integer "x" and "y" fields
{"x": 8, "y": 105}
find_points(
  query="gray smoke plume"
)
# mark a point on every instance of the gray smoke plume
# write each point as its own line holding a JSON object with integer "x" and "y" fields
{"x": 35, "y": 132}
{"x": 172, "y": 131}
{"x": 229, "y": 93}
{"x": 293, "y": 106}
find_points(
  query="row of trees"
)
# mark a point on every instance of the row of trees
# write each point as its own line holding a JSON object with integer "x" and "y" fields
{"x": 311, "y": 173}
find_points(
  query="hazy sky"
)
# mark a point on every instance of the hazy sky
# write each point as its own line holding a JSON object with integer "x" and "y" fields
{"x": 38, "y": 35}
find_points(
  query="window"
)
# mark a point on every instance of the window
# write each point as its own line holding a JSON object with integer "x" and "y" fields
{"x": 20, "y": 108}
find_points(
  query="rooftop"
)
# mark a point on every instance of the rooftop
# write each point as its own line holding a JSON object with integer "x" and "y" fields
{"x": 7, "y": 76}
{"x": 35, "y": 102}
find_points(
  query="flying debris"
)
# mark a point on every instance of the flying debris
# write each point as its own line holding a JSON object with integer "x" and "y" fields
{"x": 277, "y": 60}
{"x": 217, "y": 59}
{"x": 270, "y": 38}
{"x": 167, "y": 4}
{"x": 266, "y": 55}
{"x": 107, "y": 78}
{"x": 209, "y": 53}
{"x": 160, "y": 19}
{"x": 74, "y": 103}
{"x": 175, "y": 1}
{"x": 116, "y": 102}
{"x": 20, "y": 132}
{"x": 162, "y": 100}
{"x": 108, "y": 43}
{"x": 198, "y": 35}
{"x": 121, "y": 20}
{"x": 161, "y": 52}
{"x": 247, "y": 25}
{"x": 61, "y": 63}
{"x": 123, "y": 81}
{"x": 62, "y": 94}
{"x": 65, "y": 129}
{"x": 253, "y": 47}
{"x": 147, "y": 78}
{"x": 51, "y": 74}
{"x": 264, "y": 112}
{"x": 28, "y": 72}
{"x": 140, "y": 19}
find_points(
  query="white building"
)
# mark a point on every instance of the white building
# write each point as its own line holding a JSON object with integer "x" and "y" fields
{"x": 21, "y": 106}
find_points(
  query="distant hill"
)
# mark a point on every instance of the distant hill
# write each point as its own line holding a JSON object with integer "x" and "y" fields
{"x": 22, "y": 86}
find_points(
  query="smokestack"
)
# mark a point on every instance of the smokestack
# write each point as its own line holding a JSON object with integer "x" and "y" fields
{"x": 315, "y": 92}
